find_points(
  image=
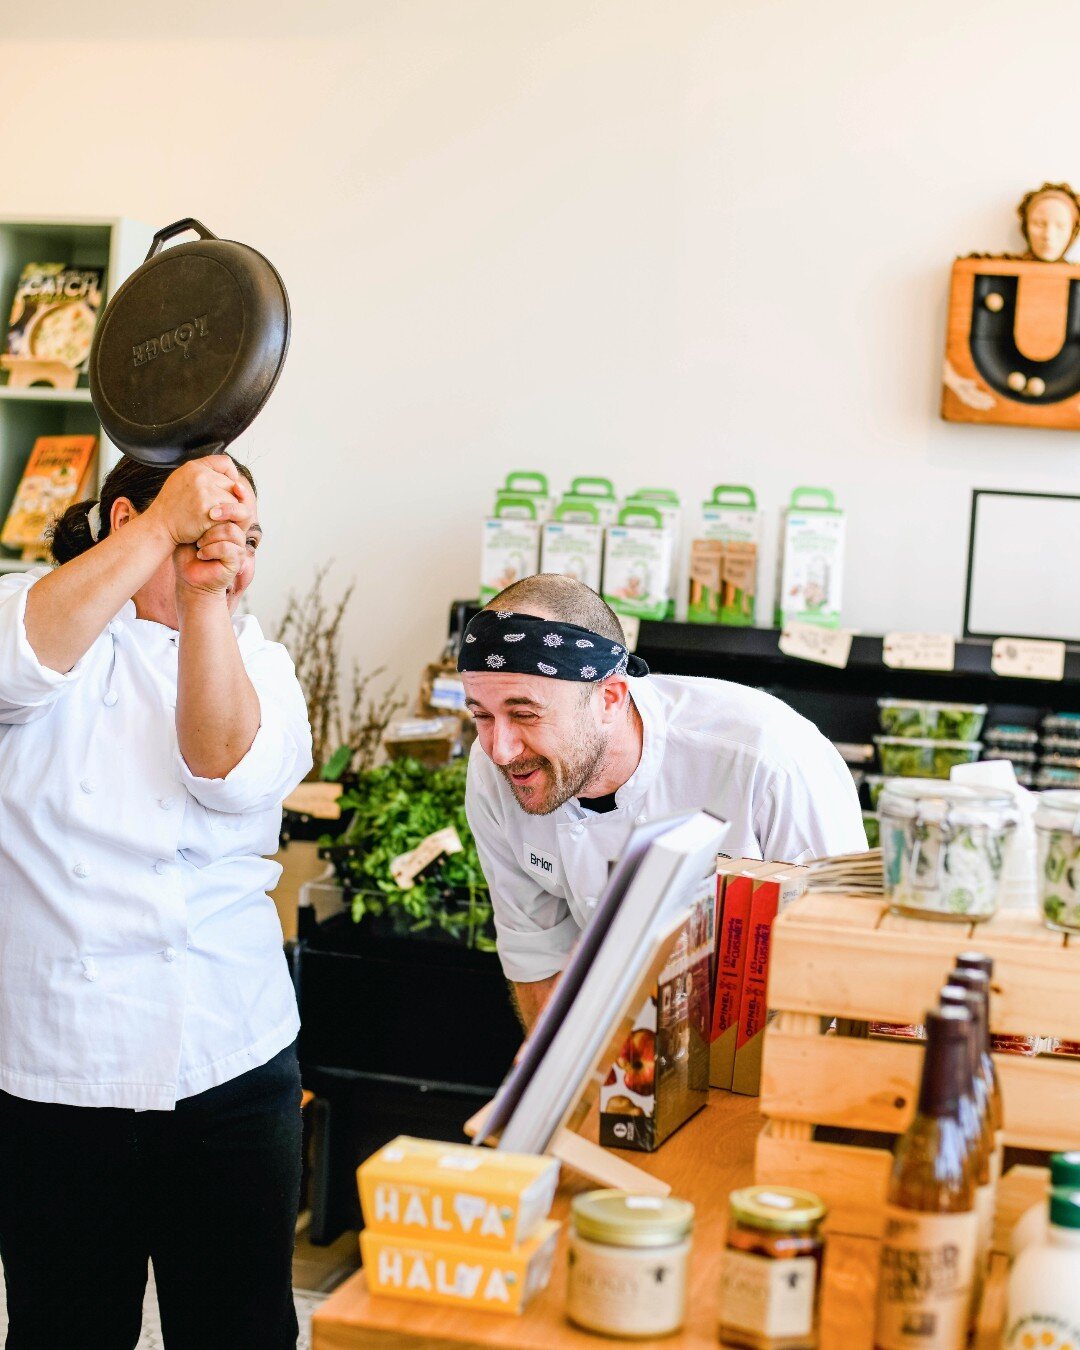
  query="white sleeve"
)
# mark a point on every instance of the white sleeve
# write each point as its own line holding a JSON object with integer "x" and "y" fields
{"x": 811, "y": 808}
{"x": 280, "y": 754}
{"x": 535, "y": 931}
{"x": 28, "y": 689}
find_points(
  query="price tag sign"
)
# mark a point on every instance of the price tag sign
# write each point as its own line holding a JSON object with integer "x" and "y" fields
{"x": 631, "y": 626}
{"x": 1028, "y": 659}
{"x": 826, "y": 646}
{"x": 919, "y": 651}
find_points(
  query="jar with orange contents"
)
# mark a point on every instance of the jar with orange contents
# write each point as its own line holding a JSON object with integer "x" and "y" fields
{"x": 772, "y": 1269}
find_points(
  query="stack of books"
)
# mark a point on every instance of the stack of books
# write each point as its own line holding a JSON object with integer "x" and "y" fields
{"x": 451, "y": 1224}
{"x": 749, "y": 897}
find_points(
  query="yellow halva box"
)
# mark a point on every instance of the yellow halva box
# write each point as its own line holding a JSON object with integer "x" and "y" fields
{"x": 423, "y": 1189}
{"x": 453, "y": 1273}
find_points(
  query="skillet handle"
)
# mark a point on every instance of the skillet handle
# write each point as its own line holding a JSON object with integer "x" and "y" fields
{"x": 178, "y": 227}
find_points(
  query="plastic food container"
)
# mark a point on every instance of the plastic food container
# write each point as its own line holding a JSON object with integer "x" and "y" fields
{"x": 944, "y": 848}
{"x": 1062, "y": 724}
{"x": 874, "y": 783}
{"x": 872, "y": 826}
{"x": 1056, "y": 760}
{"x": 1013, "y": 756}
{"x": 1012, "y": 737}
{"x": 938, "y": 721}
{"x": 1057, "y": 778}
{"x": 904, "y": 757}
{"x": 1057, "y": 827}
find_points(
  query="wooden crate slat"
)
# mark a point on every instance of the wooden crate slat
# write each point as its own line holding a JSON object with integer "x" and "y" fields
{"x": 872, "y": 1085}
{"x": 826, "y": 908}
{"x": 894, "y": 975}
{"x": 851, "y": 1180}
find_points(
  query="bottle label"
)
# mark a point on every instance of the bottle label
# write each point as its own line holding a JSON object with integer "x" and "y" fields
{"x": 768, "y": 1296}
{"x": 1042, "y": 1330}
{"x": 927, "y": 1271}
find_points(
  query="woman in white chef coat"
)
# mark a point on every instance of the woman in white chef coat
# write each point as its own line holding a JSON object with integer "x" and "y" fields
{"x": 149, "y": 1091}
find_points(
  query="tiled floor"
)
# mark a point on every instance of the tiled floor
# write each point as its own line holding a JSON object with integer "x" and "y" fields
{"x": 306, "y": 1303}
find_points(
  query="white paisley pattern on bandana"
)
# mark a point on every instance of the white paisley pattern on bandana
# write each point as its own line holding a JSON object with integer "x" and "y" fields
{"x": 552, "y": 640}
{"x": 546, "y": 670}
{"x": 588, "y": 672}
{"x": 513, "y": 637}
{"x": 495, "y": 660}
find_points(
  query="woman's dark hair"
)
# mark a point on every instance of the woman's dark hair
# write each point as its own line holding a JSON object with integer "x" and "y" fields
{"x": 139, "y": 483}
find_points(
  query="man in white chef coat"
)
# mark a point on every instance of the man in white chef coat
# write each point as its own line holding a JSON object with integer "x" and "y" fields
{"x": 577, "y": 743}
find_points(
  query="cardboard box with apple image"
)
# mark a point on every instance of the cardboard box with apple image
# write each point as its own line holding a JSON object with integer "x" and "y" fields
{"x": 660, "y": 1077}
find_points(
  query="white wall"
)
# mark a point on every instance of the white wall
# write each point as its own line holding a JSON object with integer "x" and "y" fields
{"x": 673, "y": 243}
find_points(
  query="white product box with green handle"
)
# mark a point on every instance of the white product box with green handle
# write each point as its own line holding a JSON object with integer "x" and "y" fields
{"x": 810, "y": 576}
{"x": 510, "y": 544}
{"x": 637, "y": 564}
{"x": 572, "y": 542}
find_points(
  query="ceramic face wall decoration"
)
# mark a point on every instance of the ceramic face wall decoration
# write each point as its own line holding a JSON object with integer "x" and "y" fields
{"x": 1012, "y": 355}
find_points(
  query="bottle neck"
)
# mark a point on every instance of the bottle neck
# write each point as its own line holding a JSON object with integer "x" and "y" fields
{"x": 946, "y": 1074}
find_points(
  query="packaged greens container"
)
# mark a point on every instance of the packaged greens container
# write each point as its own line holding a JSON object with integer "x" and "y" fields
{"x": 904, "y": 757}
{"x": 944, "y": 848}
{"x": 1057, "y": 826}
{"x": 637, "y": 564}
{"x": 509, "y": 545}
{"x": 572, "y": 544}
{"x": 667, "y": 503}
{"x": 872, "y": 826}
{"x": 938, "y": 721}
{"x": 874, "y": 784}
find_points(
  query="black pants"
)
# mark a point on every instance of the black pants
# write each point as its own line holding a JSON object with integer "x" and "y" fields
{"x": 208, "y": 1192}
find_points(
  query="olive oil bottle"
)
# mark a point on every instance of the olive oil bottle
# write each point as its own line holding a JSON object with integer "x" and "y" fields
{"x": 975, "y": 1118}
{"x": 931, "y": 1230}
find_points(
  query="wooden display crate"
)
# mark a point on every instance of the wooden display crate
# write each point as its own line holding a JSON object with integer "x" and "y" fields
{"x": 848, "y": 958}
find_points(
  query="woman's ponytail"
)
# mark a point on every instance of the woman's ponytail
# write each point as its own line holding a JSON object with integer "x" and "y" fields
{"x": 70, "y": 534}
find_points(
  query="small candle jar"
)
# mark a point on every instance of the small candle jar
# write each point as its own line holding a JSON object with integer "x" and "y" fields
{"x": 772, "y": 1269}
{"x": 628, "y": 1263}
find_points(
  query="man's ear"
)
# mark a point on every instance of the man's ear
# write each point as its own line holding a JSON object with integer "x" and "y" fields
{"x": 614, "y": 695}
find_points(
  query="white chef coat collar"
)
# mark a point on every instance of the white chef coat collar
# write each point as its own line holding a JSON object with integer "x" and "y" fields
{"x": 248, "y": 632}
{"x": 653, "y": 740}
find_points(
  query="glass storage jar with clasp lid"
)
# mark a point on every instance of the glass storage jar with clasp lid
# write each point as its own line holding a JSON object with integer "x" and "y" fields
{"x": 943, "y": 847}
{"x": 629, "y": 1256}
{"x": 772, "y": 1269}
{"x": 1057, "y": 829}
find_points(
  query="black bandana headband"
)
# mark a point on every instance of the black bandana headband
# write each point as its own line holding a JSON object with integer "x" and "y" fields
{"x": 522, "y": 644}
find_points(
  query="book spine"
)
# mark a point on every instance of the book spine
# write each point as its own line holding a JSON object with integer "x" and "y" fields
{"x": 754, "y": 1004}
{"x": 732, "y": 954}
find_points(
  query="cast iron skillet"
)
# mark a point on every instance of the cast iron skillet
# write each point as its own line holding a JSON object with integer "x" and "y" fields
{"x": 189, "y": 348}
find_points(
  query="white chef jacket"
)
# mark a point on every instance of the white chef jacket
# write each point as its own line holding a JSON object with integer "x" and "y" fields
{"x": 742, "y": 754}
{"x": 140, "y": 955}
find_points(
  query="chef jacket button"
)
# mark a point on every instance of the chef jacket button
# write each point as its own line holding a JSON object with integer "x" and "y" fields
{"x": 89, "y": 970}
{"x": 590, "y": 902}
{"x": 169, "y": 953}
{"x": 81, "y": 870}
{"x": 167, "y": 803}
{"x": 111, "y": 698}
{"x": 88, "y": 785}
{"x": 578, "y": 831}
{"x": 640, "y": 820}
{"x": 160, "y": 865}
{"x": 114, "y": 627}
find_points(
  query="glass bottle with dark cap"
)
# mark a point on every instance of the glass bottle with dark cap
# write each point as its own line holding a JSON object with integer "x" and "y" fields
{"x": 975, "y": 1118}
{"x": 931, "y": 1231}
{"x": 978, "y": 981}
{"x": 1006, "y": 1045}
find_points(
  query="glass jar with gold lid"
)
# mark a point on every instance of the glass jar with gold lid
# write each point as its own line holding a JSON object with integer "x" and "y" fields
{"x": 772, "y": 1269}
{"x": 629, "y": 1256}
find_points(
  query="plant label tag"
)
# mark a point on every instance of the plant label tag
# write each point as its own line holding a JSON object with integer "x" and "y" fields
{"x": 919, "y": 651}
{"x": 406, "y": 867}
{"x": 631, "y": 626}
{"x": 1028, "y": 659}
{"x": 826, "y": 646}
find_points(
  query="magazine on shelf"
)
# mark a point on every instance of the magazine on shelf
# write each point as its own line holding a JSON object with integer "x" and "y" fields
{"x": 53, "y": 314}
{"x": 58, "y": 472}
{"x": 644, "y": 905}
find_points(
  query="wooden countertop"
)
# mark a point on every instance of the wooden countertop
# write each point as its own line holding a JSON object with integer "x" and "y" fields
{"x": 703, "y": 1162}
{"x": 708, "y": 1158}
